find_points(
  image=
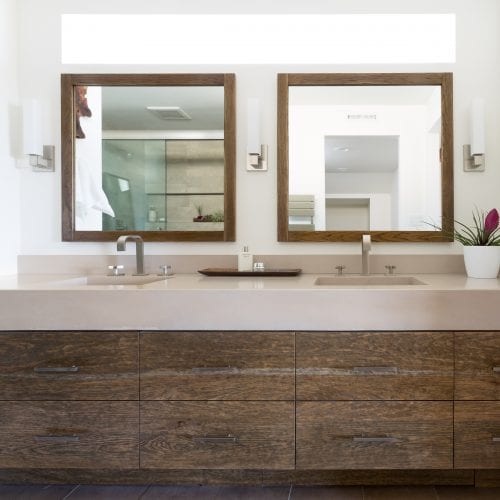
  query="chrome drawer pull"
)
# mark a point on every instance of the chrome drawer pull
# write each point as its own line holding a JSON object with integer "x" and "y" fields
{"x": 496, "y": 439}
{"x": 375, "y": 370}
{"x": 204, "y": 369}
{"x": 385, "y": 439}
{"x": 56, "y": 369}
{"x": 496, "y": 369}
{"x": 229, "y": 439}
{"x": 57, "y": 439}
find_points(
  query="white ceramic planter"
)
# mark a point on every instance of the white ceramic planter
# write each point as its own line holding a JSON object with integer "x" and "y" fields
{"x": 482, "y": 262}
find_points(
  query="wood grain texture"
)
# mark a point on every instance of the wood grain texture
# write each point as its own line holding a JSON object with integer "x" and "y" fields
{"x": 176, "y": 435}
{"x": 444, "y": 80}
{"x": 217, "y": 365}
{"x": 374, "y": 365}
{"x": 488, "y": 478}
{"x": 68, "y": 84}
{"x": 282, "y": 158}
{"x": 329, "y": 435}
{"x": 477, "y": 355}
{"x": 477, "y": 435}
{"x": 248, "y": 476}
{"x": 69, "y": 434}
{"x": 107, "y": 366}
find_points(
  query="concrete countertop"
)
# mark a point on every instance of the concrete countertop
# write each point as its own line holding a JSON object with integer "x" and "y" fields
{"x": 196, "y": 302}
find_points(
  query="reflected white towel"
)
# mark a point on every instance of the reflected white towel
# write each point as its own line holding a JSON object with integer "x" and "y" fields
{"x": 89, "y": 193}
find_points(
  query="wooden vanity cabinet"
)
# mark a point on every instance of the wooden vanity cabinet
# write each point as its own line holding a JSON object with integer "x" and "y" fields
{"x": 312, "y": 407}
{"x": 217, "y": 400}
{"x": 477, "y": 394}
{"x": 69, "y": 400}
{"x": 374, "y": 400}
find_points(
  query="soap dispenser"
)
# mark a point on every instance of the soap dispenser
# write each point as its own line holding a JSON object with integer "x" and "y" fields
{"x": 245, "y": 260}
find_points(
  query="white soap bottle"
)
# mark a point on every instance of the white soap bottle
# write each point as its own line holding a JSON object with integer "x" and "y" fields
{"x": 245, "y": 260}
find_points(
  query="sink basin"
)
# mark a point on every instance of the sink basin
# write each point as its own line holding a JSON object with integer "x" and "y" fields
{"x": 122, "y": 280}
{"x": 367, "y": 281}
{"x": 93, "y": 280}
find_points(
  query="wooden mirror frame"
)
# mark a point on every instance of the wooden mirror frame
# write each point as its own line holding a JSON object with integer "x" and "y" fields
{"x": 68, "y": 84}
{"x": 445, "y": 80}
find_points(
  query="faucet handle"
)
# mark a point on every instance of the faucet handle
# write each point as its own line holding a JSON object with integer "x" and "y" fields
{"x": 115, "y": 270}
{"x": 165, "y": 270}
{"x": 390, "y": 269}
{"x": 340, "y": 270}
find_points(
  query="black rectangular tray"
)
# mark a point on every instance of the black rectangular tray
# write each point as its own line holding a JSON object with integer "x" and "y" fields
{"x": 214, "y": 271}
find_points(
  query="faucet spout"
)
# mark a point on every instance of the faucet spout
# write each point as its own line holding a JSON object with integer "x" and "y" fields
{"x": 121, "y": 245}
{"x": 366, "y": 245}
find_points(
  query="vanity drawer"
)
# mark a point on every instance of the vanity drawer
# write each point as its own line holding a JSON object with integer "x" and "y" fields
{"x": 374, "y": 435}
{"x": 477, "y": 365}
{"x": 217, "y": 365}
{"x": 217, "y": 435}
{"x": 477, "y": 435}
{"x": 374, "y": 366}
{"x": 69, "y": 366}
{"x": 69, "y": 434}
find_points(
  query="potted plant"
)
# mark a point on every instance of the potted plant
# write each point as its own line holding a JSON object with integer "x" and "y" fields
{"x": 481, "y": 243}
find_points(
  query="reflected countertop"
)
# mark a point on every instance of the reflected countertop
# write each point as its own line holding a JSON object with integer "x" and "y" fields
{"x": 196, "y": 302}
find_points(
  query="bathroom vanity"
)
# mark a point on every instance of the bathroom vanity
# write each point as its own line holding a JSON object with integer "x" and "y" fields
{"x": 154, "y": 383}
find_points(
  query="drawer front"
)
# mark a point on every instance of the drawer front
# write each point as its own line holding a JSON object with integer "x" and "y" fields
{"x": 69, "y": 434}
{"x": 217, "y": 435}
{"x": 477, "y": 365}
{"x": 477, "y": 435}
{"x": 374, "y": 366}
{"x": 217, "y": 365}
{"x": 374, "y": 435}
{"x": 69, "y": 366}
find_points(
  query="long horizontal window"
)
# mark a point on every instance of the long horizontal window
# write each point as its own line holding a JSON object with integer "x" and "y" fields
{"x": 258, "y": 39}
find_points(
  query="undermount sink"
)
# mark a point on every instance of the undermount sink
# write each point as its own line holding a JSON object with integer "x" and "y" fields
{"x": 371, "y": 280}
{"x": 123, "y": 280}
{"x": 93, "y": 280}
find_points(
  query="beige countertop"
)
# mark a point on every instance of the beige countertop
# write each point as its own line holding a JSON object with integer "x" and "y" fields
{"x": 196, "y": 302}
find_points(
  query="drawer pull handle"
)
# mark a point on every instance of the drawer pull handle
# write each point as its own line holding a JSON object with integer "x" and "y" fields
{"x": 57, "y": 439}
{"x": 229, "y": 439}
{"x": 385, "y": 439}
{"x": 496, "y": 369}
{"x": 496, "y": 439}
{"x": 205, "y": 369}
{"x": 375, "y": 370}
{"x": 56, "y": 369}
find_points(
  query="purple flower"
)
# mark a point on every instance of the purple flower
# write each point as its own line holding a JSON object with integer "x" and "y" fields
{"x": 491, "y": 222}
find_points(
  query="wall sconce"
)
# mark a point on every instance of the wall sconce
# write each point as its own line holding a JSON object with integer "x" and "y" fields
{"x": 474, "y": 152}
{"x": 41, "y": 156}
{"x": 256, "y": 152}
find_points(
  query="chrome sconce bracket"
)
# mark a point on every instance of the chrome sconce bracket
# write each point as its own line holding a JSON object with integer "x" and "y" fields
{"x": 44, "y": 163}
{"x": 472, "y": 163}
{"x": 258, "y": 162}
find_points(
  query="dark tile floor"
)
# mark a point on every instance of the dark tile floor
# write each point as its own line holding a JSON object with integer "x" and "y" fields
{"x": 152, "y": 492}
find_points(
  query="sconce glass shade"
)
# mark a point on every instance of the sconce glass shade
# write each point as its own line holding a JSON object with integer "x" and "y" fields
{"x": 253, "y": 126}
{"x": 477, "y": 127}
{"x": 32, "y": 128}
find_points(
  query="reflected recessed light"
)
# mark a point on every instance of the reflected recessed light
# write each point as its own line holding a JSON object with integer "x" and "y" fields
{"x": 342, "y": 169}
{"x": 344, "y": 150}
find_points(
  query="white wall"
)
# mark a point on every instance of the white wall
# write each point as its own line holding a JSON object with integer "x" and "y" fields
{"x": 9, "y": 145}
{"x": 476, "y": 73}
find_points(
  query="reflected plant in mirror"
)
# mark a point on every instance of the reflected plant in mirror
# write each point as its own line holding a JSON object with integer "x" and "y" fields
{"x": 150, "y": 152}
{"x": 364, "y": 154}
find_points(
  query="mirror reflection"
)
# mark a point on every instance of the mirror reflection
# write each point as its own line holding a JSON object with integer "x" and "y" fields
{"x": 364, "y": 158}
{"x": 149, "y": 158}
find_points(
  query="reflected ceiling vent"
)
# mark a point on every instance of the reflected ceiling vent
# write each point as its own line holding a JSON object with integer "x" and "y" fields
{"x": 169, "y": 112}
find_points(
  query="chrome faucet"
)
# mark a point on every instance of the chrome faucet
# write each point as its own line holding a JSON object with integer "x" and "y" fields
{"x": 121, "y": 244}
{"x": 366, "y": 245}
